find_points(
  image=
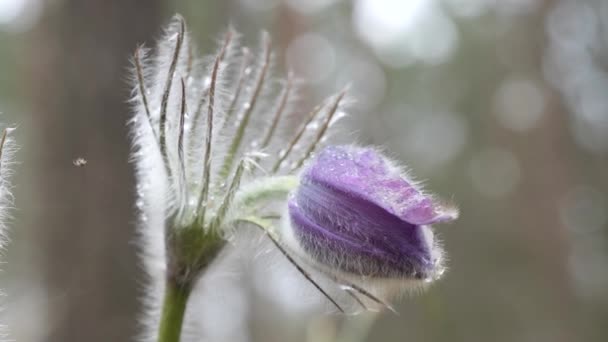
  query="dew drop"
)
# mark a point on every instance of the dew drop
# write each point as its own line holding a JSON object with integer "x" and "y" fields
{"x": 246, "y": 105}
{"x": 313, "y": 125}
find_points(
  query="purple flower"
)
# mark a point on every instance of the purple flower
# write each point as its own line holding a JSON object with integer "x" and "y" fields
{"x": 357, "y": 213}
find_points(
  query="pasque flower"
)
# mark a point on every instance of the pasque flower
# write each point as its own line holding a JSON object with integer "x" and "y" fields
{"x": 213, "y": 145}
{"x": 359, "y": 218}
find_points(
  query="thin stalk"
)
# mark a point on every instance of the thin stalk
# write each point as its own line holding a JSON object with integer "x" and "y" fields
{"x": 180, "y": 148}
{"x": 173, "y": 310}
{"x": 321, "y": 132}
{"x": 292, "y": 261}
{"x": 189, "y": 62}
{"x": 241, "y": 81}
{"x": 167, "y": 91}
{"x": 205, "y": 92}
{"x": 240, "y": 132}
{"x": 296, "y": 138}
{"x": 229, "y": 197}
{"x": 279, "y": 112}
{"x": 2, "y": 142}
{"x": 202, "y": 201}
{"x": 142, "y": 86}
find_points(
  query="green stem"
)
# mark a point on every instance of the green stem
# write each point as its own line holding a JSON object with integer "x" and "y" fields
{"x": 173, "y": 310}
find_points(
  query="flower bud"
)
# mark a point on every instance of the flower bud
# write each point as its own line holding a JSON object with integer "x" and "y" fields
{"x": 356, "y": 213}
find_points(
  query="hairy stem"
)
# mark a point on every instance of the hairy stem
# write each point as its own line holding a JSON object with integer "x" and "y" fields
{"x": 173, "y": 310}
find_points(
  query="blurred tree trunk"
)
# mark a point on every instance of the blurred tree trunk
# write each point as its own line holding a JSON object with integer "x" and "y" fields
{"x": 80, "y": 58}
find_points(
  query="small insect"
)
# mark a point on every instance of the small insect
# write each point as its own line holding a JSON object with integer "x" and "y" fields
{"x": 79, "y": 162}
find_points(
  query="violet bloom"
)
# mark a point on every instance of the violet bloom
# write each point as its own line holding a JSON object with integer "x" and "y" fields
{"x": 357, "y": 216}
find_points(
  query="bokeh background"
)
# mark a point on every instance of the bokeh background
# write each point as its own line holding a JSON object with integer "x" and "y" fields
{"x": 501, "y": 105}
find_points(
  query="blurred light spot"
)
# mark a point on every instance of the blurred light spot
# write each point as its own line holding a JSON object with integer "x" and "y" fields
{"x": 574, "y": 64}
{"x": 368, "y": 81}
{"x": 587, "y": 265}
{"x": 494, "y": 172}
{"x": 19, "y": 15}
{"x": 400, "y": 30}
{"x": 445, "y": 38}
{"x": 10, "y": 10}
{"x": 311, "y": 56}
{"x": 309, "y": 6}
{"x": 433, "y": 139}
{"x": 572, "y": 23}
{"x": 519, "y": 104}
{"x": 583, "y": 209}
{"x": 259, "y": 5}
{"x": 381, "y": 21}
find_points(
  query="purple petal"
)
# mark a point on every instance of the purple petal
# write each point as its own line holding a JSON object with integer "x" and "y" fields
{"x": 353, "y": 211}
{"x": 366, "y": 174}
